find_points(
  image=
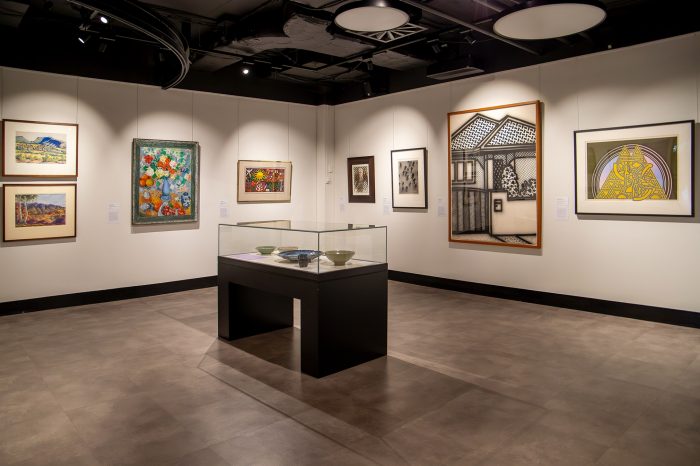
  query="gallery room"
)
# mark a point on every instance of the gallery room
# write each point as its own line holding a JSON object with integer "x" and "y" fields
{"x": 327, "y": 232}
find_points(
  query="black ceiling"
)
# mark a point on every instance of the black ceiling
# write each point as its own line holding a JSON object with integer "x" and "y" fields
{"x": 295, "y": 52}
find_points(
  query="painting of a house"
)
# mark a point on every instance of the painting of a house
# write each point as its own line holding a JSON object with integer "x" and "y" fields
{"x": 494, "y": 175}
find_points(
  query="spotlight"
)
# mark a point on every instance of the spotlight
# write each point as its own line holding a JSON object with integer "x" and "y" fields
{"x": 104, "y": 19}
{"x": 370, "y": 65}
{"x": 245, "y": 70}
{"x": 435, "y": 47}
{"x": 469, "y": 38}
{"x": 83, "y": 38}
{"x": 367, "y": 88}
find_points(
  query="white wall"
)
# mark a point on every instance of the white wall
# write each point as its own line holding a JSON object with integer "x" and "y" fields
{"x": 110, "y": 115}
{"x": 648, "y": 261}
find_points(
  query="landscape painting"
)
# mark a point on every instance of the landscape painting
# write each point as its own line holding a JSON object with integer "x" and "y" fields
{"x": 494, "y": 175}
{"x": 40, "y": 149}
{"x": 361, "y": 179}
{"x": 264, "y": 181}
{"x": 408, "y": 178}
{"x": 164, "y": 185}
{"x": 35, "y": 211}
{"x": 642, "y": 170}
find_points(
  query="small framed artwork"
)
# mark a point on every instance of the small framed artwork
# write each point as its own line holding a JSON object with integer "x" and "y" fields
{"x": 264, "y": 181}
{"x": 408, "y": 179}
{"x": 495, "y": 171}
{"x": 635, "y": 170}
{"x": 37, "y": 149}
{"x": 38, "y": 211}
{"x": 361, "y": 179}
{"x": 164, "y": 181}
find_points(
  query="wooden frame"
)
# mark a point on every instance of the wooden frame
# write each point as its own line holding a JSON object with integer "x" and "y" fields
{"x": 164, "y": 181}
{"x": 264, "y": 181}
{"x": 499, "y": 202}
{"x": 50, "y": 150}
{"x": 636, "y": 170}
{"x": 409, "y": 190}
{"x": 361, "y": 179}
{"x": 51, "y": 215}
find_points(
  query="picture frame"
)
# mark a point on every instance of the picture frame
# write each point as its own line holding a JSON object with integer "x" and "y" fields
{"x": 495, "y": 175}
{"x": 39, "y": 211}
{"x": 361, "y": 179}
{"x": 409, "y": 182}
{"x": 39, "y": 149}
{"x": 164, "y": 181}
{"x": 636, "y": 170}
{"x": 264, "y": 181}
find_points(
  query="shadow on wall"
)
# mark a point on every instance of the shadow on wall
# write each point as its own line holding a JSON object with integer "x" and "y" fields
{"x": 164, "y": 227}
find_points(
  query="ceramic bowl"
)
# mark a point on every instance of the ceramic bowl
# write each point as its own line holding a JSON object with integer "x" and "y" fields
{"x": 339, "y": 256}
{"x": 265, "y": 250}
{"x": 286, "y": 248}
{"x": 293, "y": 256}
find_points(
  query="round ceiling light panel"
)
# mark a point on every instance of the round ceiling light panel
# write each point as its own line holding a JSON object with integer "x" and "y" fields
{"x": 370, "y": 16}
{"x": 548, "y": 20}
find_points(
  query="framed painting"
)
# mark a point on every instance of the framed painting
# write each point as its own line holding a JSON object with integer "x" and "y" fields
{"x": 264, "y": 181}
{"x": 361, "y": 179}
{"x": 635, "y": 170}
{"x": 164, "y": 181}
{"x": 38, "y": 211}
{"x": 409, "y": 183}
{"x": 494, "y": 174}
{"x": 37, "y": 149}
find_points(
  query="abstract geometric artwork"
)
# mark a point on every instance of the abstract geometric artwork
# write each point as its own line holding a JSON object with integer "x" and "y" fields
{"x": 39, "y": 149}
{"x": 361, "y": 179}
{"x": 264, "y": 181}
{"x": 408, "y": 178}
{"x": 494, "y": 175}
{"x": 164, "y": 181}
{"x": 637, "y": 170}
{"x": 38, "y": 211}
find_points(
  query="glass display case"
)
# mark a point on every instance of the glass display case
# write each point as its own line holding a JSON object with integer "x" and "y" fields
{"x": 304, "y": 246}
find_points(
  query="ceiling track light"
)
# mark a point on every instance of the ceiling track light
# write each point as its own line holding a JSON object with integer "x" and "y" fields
{"x": 367, "y": 88}
{"x": 549, "y": 19}
{"x": 372, "y": 15}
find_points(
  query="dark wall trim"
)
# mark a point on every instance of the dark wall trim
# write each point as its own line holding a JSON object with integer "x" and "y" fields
{"x": 600, "y": 306}
{"x": 101, "y": 296}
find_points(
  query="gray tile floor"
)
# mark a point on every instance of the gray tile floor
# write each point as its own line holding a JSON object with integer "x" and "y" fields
{"x": 468, "y": 380}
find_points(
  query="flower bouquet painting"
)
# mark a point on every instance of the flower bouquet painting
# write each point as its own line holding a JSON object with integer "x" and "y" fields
{"x": 164, "y": 181}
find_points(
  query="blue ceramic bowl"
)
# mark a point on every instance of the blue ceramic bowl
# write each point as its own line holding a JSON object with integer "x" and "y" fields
{"x": 293, "y": 256}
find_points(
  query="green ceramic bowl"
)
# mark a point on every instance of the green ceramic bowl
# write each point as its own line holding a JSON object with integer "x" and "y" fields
{"x": 265, "y": 250}
{"x": 287, "y": 248}
{"x": 339, "y": 256}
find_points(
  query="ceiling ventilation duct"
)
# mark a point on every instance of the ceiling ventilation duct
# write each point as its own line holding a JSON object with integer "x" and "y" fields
{"x": 453, "y": 69}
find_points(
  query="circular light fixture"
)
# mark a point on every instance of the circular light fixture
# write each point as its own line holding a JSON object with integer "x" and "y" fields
{"x": 536, "y": 20}
{"x": 245, "y": 70}
{"x": 371, "y": 16}
{"x": 104, "y": 19}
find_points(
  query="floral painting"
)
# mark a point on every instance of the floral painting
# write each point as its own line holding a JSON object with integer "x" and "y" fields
{"x": 262, "y": 179}
{"x": 165, "y": 181}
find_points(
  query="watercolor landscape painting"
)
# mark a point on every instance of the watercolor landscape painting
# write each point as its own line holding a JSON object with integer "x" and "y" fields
{"x": 32, "y": 147}
{"x": 164, "y": 181}
{"x": 33, "y": 210}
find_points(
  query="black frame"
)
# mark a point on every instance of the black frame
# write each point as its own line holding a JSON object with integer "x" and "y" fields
{"x": 361, "y": 161}
{"x": 692, "y": 169}
{"x": 425, "y": 178}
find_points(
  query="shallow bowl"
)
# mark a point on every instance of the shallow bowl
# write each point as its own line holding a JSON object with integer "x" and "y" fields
{"x": 286, "y": 248}
{"x": 265, "y": 250}
{"x": 339, "y": 256}
{"x": 293, "y": 256}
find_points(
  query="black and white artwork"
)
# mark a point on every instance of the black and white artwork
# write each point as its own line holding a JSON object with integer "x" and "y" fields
{"x": 408, "y": 176}
{"x": 494, "y": 167}
{"x": 361, "y": 179}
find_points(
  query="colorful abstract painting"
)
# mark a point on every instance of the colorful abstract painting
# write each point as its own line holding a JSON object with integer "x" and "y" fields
{"x": 165, "y": 181}
{"x": 264, "y": 181}
{"x": 40, "y": 149}
{"x": 495, "y": 168}
{"x": 642, "y": 174}
{"x": 38, "y": 211}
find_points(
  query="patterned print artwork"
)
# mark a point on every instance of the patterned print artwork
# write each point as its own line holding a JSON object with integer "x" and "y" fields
{"x": 264, "y": 180}
{"x": 636, "y": 170}
{"x": 40, "y": 148}
{"x": 408, "y": 177}
{"x": 494, "y": 175}
{"x": 165, "y": 182}
{"x": 37, "y": 210}
{"x": 360, "y": 180}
